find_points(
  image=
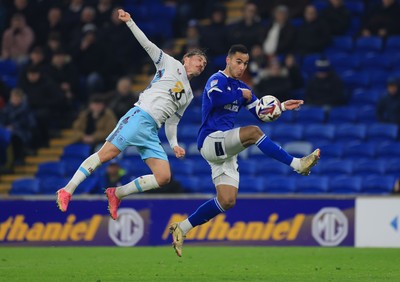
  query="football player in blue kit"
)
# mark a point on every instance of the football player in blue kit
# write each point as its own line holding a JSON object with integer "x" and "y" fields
{"x": 220, "y": 142}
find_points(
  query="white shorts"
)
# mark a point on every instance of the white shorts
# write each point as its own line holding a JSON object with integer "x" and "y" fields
{"x": 220, "y": 149}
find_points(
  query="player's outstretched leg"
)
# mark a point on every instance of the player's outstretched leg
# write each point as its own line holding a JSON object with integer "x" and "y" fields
{"x": 113, "y": 202}
{"x": 307, "y": 162}
{"x": 177, "y": 238}
{"x": 63, "y": 199}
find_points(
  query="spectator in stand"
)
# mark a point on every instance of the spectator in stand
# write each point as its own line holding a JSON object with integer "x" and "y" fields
{"x": 275, "y": 81}
{"x": 53, "y": 24}
{"x": 313, "y": 35}
{"x": 4, "y": 93}
{"x": 71, "y": 17}
{"x": 281, "y": 34}
{"x": 214, "y": 36}
{"x": 325, "y": 88}
{"x": 296, "y": 7}
{"x": 63, "y": 72}
{"x": 17, "y": 40}
{"x": 44, "y": 98}
{"x": 19, "y": 120}
{"x": 258, "y": 62}
{"x": 36, "y": 58}
{"x": 53, "y": 43}
{"x": 388, "y": 107}
{"x": 122, "y": 98}
{"x": 26, "y": 8}
{"x": 382, "y": 20}
{"x": 104, "y": 9}
{"x": 249, "y": 30}
{"x": 337, "y": 17}
{"x": 113, "y": 176}
{"x": 295, "y": 75}
{"x": 87, "y": 21}
{"x": 94, "y": 123}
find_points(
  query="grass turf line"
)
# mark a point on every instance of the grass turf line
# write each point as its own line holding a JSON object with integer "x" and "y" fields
{"x": 198, "y": 264}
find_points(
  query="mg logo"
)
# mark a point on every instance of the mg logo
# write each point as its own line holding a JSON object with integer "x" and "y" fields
{"x": 329, "y": 227}
{"x": 128, "y": 229}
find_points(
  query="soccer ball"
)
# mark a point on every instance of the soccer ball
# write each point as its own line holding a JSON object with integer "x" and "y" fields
{"x": 268, "y": 108}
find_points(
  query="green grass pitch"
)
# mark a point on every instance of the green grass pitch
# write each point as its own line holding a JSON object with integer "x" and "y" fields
{"x": 198, "y": 264}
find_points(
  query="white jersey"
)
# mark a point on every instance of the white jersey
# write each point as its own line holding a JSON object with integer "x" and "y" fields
{"x": 169, "y": 93}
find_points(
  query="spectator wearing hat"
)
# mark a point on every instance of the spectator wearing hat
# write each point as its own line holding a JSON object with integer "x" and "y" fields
{"x": 388, "y": 108}
{"x": 325, "y": 87}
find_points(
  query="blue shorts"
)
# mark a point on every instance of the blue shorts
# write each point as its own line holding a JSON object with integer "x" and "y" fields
{"x": 138, "y": 128}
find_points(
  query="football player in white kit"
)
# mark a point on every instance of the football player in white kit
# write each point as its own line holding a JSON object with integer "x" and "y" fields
{"x": 163, "y": 102}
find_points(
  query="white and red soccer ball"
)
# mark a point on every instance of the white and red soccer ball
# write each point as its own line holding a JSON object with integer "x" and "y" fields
{"x": 268, "y": 108}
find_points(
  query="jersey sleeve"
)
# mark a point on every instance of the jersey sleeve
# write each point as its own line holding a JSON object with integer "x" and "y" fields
{"x": 218, "y": 93}
{"x": 171, "y": 126}
{"x": 251, "y": 106}
{"x": 155, "y": 53}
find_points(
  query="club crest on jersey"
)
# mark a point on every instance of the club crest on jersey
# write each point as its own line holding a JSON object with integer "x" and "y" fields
{"x": 177, "y": 91}
{"x": 213, "y": 83}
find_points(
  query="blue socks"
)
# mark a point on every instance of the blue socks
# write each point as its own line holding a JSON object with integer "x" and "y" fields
{"x": 205, "y": 212}
{"x": 273, "y": 150}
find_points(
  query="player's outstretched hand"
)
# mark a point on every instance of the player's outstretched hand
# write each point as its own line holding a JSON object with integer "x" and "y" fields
{"x": 293, "y": 104}
{"x": 179, "y": 152}
{"x": 123, "y": 16}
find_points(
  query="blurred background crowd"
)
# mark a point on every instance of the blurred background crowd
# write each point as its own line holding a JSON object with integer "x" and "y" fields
{"x": 72, "y": 64}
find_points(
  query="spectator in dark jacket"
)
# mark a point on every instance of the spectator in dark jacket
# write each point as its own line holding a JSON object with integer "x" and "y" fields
{"x": 382, "y": 20}
{"x": 388, "y": 108}
{"x": 122, "y": 99}
{"x": 325, "y": 88}
{"x": 337, "y": 17}
{"x": 19, "y": 120}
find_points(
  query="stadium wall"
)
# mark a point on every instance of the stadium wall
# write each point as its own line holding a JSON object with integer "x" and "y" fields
{"x": 256, "y": 220}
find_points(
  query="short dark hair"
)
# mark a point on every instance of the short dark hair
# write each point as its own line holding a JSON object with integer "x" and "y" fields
{"x": 194, "y": 52}
{"x": 237, "y": 48}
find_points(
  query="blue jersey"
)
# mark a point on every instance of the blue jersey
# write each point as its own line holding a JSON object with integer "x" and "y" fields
{"x": 222, "y": 100}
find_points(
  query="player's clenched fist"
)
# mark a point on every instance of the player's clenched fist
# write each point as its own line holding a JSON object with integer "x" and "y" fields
{"x": 123, "y": 16}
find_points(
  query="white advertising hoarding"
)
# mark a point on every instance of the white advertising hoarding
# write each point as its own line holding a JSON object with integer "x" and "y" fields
{"x": 377, "y": 222}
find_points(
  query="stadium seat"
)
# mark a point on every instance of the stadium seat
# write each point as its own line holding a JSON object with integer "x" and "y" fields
{"x": 335, "y": 167}
{"x": 388, "y": 150}
{"x": 366, "y": 114}
{"x": 378, "y": 184}
{"x": 202, "y": 169}
{"x": 134, "y": 166}
{"x": 374, "y": 61}
{"x": 354, "y": 80}
{"x": 286, "y": 117}
{"x": 206, "y": 185}
{"x": 8, "y": 67}
{"x": 50, "y": 185}
{"x": 356, "y": 8}
{"x": 91, "y": 185}
{"x": 279, "y": 184}
{"x": 331, "y": 150}
{"x": 342, "y": 115}
{"x": 189, "y": 183}
{"x": 368, "y": 167}
{"x": 192, "y": 116}
{"x": 381, "y": 132}
{"x": 298, "y": 149}
{"x": 77, "y": 150}
{"x": 392, "y": 167}
{"x": 248, "y": 167}
{"x": 270, "y": 166}
{"x": 25, "y": 186}
{"x": 312, "y": 185}
{"x": 251, "y": 184}
{"x": 348, "y": 132}
{"x": 359, "y": 150}
{"x": 181, "y": 166}
{"x": 319, "y": 132}
{"x": 48, "y": 169}
{"x": 392, "y": 44}
{"x": 341, "y": 44}
{"x": 310, "y": 115}
{"x": 284, "y": 133}
{"x": 71, "y": 166}
{"x": 344, "y": 61}
{"x": 345, "y": 184}
{"x": 308, "y": 62}
{"x": 363, "y": 97}
{"x": 368, "y": 44}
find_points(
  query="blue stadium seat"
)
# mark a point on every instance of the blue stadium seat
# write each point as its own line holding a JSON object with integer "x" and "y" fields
{"x": 91, "y": 185}
{"x": 192, "y": 116}
{"x": 379, "y": 79}
{"x": 308, "y": 62}
{"x": 298, "y": 149}
{"x": 319, "y": 132}
{"x": 248, "y": 167}
{"x": 356, "y": 8}
{"x": 392, "y": 44}
{"x": 374, "y": 61}
{"x": 279, "y": 184}
{"x": 392, "y": 167}
{"x": 251, "y": 184}
{"x": 359, "y": 150}
{"x": 366, "y": 114}
{"x": 344, "y": 61}
{"x": 202, "y": 169}
{"x": 368, "y": 167}
{"x": 134, "y": 166}
{"x": 378, "y": 184}
{"x": 341, "y": 44}
{"x": 206, "y": 185}
{"x": 342, "y": 115}
{"x": 354, "y": 80}
{"x": 348, "y": 132}
{"x": 345, "y": 185}
{"x": 363, "y": 97}
{"x": 331, "y": 150}
{"x": 48, "y": 169}
{"x": 312, "y": 184}
{"x": 269, "y": 166}
{"x": 183, "y": 166}
{"x": 50, "y": 185}
{"x": 25, "y": 186}
{"x": 8, "y": 67}
{"x": 10, "y": 80}
{"x": 284, "y": 133}
{"x": 310, "y": 115}
{"x": 388, "y": 150}
{"x": 335, "y": 167}
{"x": 189, "y": 183}
{"x": 77, "y": 150}
{"x": 381, "y": 132}
{"x": 71, "y": 166}
{"x": 369, "y": 44}
{"x": 187, "y": 133}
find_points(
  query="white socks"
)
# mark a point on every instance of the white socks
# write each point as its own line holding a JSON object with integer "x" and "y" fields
{"x": 140, "y": 184}
{"x": 87, "y": 168}
{"x": 295, "y": 164}
{"x": 186, "y": 226}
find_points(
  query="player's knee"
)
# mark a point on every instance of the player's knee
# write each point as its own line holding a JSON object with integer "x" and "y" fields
{"x": 163, "y": 179}
{"x": 227, "y": 202}
{"x": 254, "y": 133}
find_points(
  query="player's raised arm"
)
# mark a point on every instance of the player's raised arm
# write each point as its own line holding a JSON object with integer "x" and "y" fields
{"x": 154, "y": 52}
